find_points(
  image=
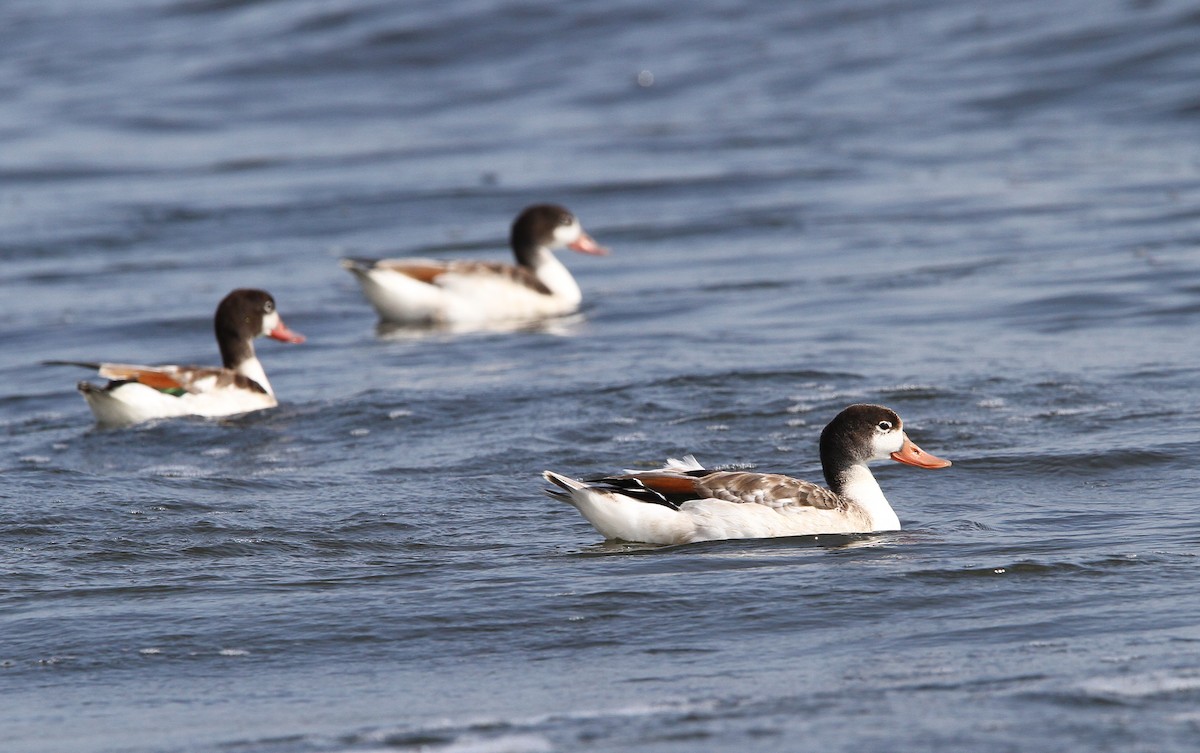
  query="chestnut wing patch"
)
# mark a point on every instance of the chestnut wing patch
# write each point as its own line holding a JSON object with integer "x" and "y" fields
{"x": 156, "y": 378}
{"x": 669, "y": 489}
{"x": 422, "y": 270}
{"x": 180, "y": 380}
{"x": 173, "y": 380}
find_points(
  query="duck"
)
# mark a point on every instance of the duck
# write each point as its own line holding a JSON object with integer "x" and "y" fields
{"x": 684, "y": 502}
{"x": 136, "y": 393}
{"x": 422, "y": 292}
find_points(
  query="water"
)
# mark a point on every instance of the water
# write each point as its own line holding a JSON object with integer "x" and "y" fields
{"x": 982, "y": 215}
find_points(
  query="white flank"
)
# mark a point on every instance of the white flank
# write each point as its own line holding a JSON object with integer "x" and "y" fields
{"x": 132, "y": 403}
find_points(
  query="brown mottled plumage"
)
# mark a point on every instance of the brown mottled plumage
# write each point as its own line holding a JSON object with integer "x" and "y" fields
{"x": 770, "y": 489}
{"x": 428, "y": 271}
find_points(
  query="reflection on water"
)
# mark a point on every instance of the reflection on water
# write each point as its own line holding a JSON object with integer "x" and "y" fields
{"x": 561, "y": 326}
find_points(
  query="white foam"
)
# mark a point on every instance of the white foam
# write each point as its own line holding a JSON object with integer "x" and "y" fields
{"x": 471, "y": 743}
{"x": 49, "y": 660}
{"x": 1143, "y": 685}
{"x": 519, "y": 743}
{"x": 174, "y": 471}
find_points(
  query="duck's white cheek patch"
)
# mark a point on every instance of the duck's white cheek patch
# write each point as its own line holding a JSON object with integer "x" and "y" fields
{"x": 270, "y": 322}
{"x": 567, "y": 234}
{"x": 885, "y": 444}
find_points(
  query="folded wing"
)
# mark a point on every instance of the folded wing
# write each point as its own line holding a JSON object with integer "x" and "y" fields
{"x": 674, "y": 488}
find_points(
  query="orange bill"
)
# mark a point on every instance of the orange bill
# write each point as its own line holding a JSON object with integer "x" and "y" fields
{"x": 281, "y": 332}
{"x": 910, "y": 454}
{"x": 585, "y": 245}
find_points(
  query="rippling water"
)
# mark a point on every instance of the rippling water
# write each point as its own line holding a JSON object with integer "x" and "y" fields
{"x": 983, "y": 215}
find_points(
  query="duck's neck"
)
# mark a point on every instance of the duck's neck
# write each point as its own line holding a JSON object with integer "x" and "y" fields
{"x": 857, "y": 484}
{"x": 234, "y": 347}
{"x": 238, "y": 354}
{"x": 553, "y": 274}
{"x": 252, "y": 369}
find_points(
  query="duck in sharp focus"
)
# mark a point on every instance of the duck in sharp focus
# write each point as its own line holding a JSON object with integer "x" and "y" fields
{"x": 140, "y": 393}
{"x": 684, "y": 502}
{"x": 432, "y": 292}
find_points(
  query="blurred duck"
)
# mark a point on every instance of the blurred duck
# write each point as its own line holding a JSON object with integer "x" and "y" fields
{"x": 140, "y": 393}
{"x": 431, "y": 292}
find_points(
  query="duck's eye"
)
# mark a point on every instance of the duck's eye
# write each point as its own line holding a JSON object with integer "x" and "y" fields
{"x": 268, "y": 307}
{"x": 566, "y": 220}
{"x": 884, "y": 425}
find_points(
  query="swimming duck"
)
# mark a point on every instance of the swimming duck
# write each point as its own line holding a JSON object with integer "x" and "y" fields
{"x": 138, "y": 393}
{"x": 416, "y": 291}
{"x": 684, "y": 502}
